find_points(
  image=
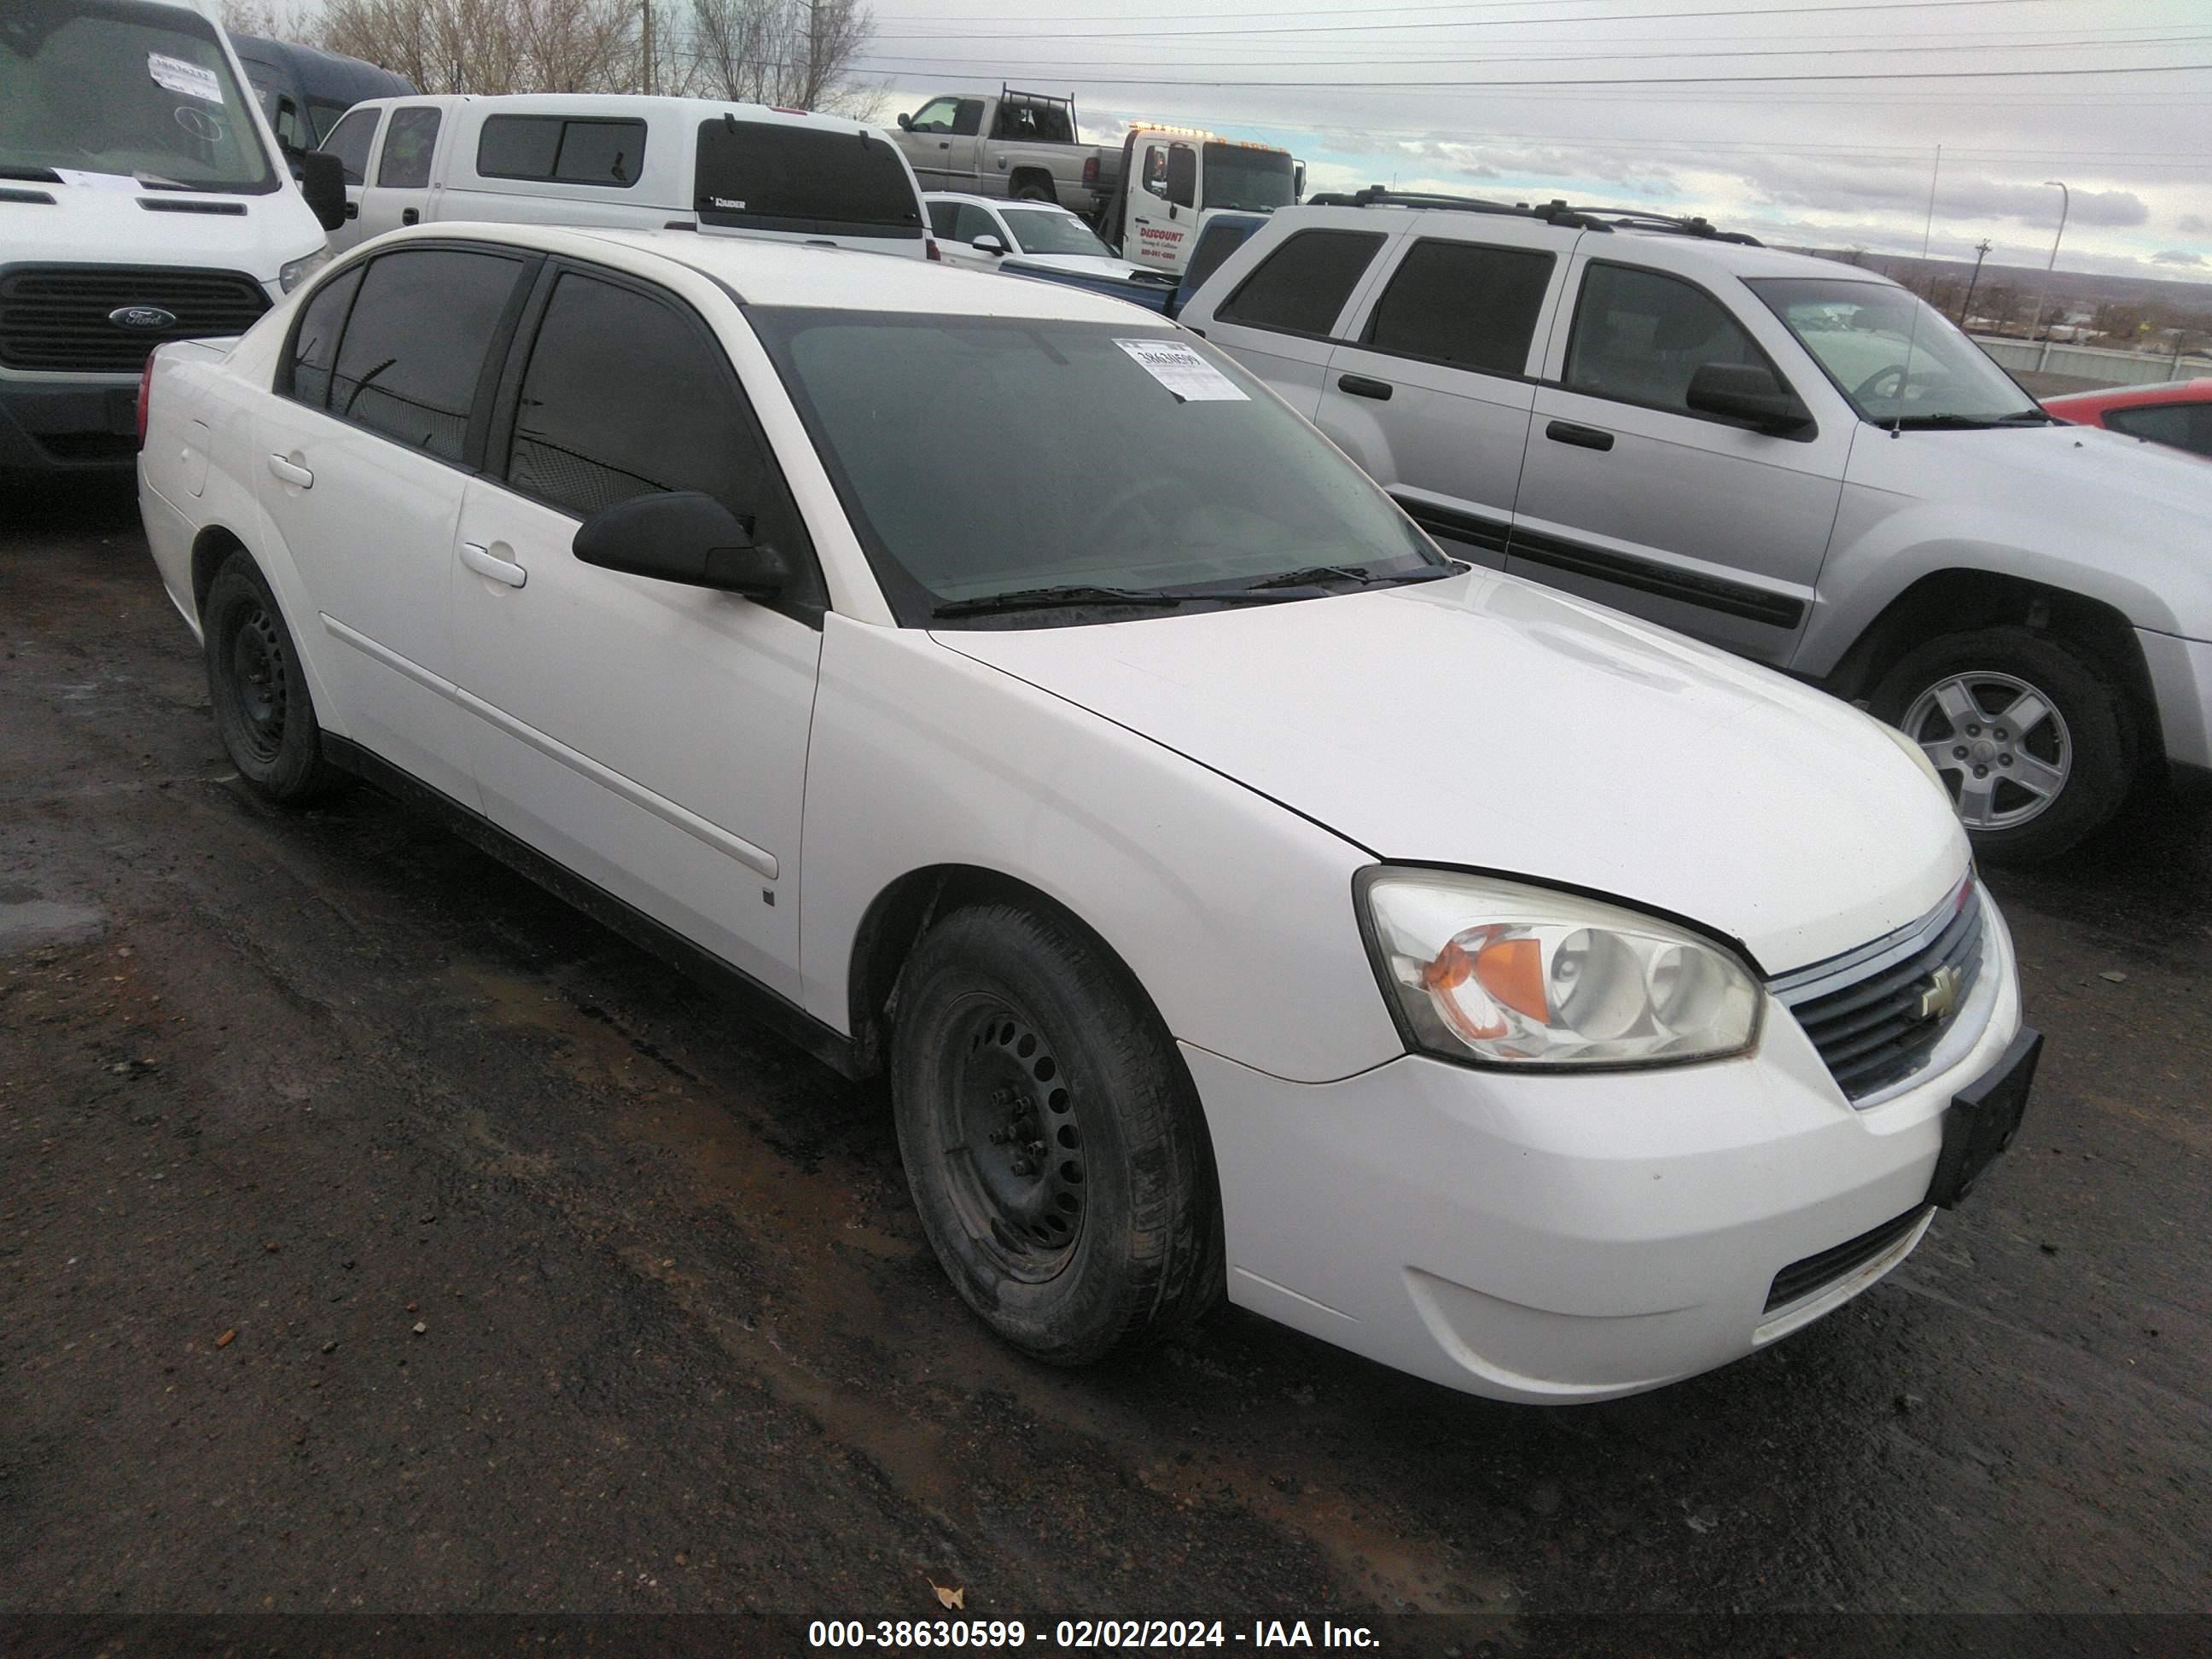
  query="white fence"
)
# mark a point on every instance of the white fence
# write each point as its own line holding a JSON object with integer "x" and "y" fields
{"x": 2097, "y": 364}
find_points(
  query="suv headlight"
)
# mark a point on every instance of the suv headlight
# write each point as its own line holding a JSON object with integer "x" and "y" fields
{"x": 294, "y": 272}
{"x": 1495, "y": 972}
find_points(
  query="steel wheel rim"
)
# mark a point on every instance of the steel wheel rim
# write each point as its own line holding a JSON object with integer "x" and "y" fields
{"x": 256, "y": 675}
{"x": 2004, "y": 750}
{"x": 1011, "y": 1146}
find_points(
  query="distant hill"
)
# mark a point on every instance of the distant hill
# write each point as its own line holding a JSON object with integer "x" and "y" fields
{"x": 2076, "y": 289}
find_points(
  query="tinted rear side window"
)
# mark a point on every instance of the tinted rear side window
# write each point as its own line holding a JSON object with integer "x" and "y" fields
{"x": 1302, "y": 286}
{"x": 1472, "y": 307}
{"x": 415, "y": 345}
{"x": 756, "y": 176}
{"x": 1220, "y": 239}
{"x": 1641, "y": 336}
{"x": 626, "y": 396}
{"x": 315, "y": 347}
{"x": 562, "y": 150}
{"x": 409, "y": 143}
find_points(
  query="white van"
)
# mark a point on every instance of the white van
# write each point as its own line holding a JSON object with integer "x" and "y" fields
{"x": 143, "y": 198}
{"x": 635, "y": 162}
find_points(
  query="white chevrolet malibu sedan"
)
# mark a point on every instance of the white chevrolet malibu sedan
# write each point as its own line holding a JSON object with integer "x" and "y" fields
{"x": 1011, "y": 698}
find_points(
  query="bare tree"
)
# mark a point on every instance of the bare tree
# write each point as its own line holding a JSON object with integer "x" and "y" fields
{"x": 492, "y": 45}
{"x": 268, "y": 19}
{"x": 781, "y": 51}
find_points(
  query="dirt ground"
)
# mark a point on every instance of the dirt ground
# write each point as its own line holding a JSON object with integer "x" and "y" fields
{"x": 378, "y": 1235}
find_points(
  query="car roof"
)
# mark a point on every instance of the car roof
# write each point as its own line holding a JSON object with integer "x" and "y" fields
{"x": 2198, "y": 390}
{"x": 764, "y": 273}
{"x": 632, "y": 103}
{"x": 1001, "y": 202}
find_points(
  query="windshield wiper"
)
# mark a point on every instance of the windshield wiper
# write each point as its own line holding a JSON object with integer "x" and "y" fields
{"x": 1947, "y": 422}
{"x": 1047, "y": 598}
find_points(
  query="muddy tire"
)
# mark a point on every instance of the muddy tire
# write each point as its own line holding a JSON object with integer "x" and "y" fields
{"x": 262, "y": 710}
{"x": 2034, "y": 739}
{"x": 1052, "y": 1140}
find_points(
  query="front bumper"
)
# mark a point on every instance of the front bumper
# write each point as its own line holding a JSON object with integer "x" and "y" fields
{"x": 87, "y": 424}
{"x": 1560, "y": 1239}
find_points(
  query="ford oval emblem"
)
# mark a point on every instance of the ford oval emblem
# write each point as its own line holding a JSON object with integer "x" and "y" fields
{"x": 142, "y": 317}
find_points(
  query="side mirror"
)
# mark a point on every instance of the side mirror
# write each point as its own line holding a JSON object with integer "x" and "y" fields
{"x": 1749, "y": 392}
{"x": 989, "y": 244}
{"x": 906, "y": 123}
{"x": 682, "y": 536}
{"x": 1182, "y": 176}
{"x": 322, "y": 182}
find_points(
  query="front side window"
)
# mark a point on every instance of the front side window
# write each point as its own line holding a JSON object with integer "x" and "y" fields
{"x": 409, "y": 143}
{"x": 1898, "y": 359}
{"x": 322, "y": 114}
{"x": 1301, "y": 287}
{"x": 1156, "y": 171}
{"x": 349, "y": 141}
{"x": 1457, "y": 303}
{"x": 1247, "y": 179}
{"x": 415, "y": 345}
{"x": 124, "y": 90}
{"x": 972, "y": 221}
{"x": 1042, "y": 230}
{"x": 1224, "y": 487}
{"x": 561, "y": 149}
{"x": 935, "y": 116}
{"x": 1640, "y": 335}
{"x": 315, "y": 345}
{"x": 626, "y": 396}
{"x": 759, "y": 175}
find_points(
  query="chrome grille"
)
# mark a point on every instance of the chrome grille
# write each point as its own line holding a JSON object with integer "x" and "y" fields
{"x": 56, "y": 317}
{"x": 1874, "y": 1016}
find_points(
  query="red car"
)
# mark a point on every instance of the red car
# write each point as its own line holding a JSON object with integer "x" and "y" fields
{"x": 2178, "y": 412}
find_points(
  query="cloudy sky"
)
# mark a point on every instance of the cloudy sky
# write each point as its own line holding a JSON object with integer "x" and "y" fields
{"x": 1806, "y": 121}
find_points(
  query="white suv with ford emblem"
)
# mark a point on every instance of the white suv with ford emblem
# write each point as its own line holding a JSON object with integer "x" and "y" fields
{"x": 1239, "y": 895}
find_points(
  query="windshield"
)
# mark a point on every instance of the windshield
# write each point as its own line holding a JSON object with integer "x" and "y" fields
{"x": 1119, "y": 458}
{"x": 109, "y": 90}
{"x": 1042, "y": 230}
{"x": 1241, "y": 176}
{"x": 763, "y": 175}
{"x": 1894, "y": 356}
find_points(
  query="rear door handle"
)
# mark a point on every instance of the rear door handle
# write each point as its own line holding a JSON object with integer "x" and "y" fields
{"x": 291, "y": 472}
{"x": 484, "y": 563}
{"x": 409, "y": 216}
{"x": 1360, "y": 387}
{"x": 1583, "y": 437}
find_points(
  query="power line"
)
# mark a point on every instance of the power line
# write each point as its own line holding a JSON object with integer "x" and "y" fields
{"x": 1342, "y": 85}
{"x": 1922, "y": 6}
{"x": 1034, "y": 20}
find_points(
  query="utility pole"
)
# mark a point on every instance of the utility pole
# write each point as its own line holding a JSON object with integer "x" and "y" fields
{"x": 2042, "y": 293}
{"x": 647, "y": 7}
{"x": 1967, "y": 306}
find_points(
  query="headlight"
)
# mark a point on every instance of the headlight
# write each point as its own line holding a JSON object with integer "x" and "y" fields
{"x": 1493, "y": 971}
{"x": 290, "y": 275}
{"x": 1919, "y": 757}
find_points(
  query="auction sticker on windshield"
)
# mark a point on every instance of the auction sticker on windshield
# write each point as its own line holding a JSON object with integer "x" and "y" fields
{"x": 1182, "y": 371}
{"x": 175, "y": 75}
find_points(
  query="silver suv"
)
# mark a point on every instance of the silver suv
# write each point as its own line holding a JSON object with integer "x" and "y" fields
{"x": 1789, "y": 457}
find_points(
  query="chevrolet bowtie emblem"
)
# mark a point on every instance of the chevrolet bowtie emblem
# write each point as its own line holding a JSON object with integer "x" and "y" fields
{"x": 1940, "y": 995}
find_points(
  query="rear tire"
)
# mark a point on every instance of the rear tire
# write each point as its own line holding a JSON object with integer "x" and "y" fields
{"x": 1052, "y": 1140}
{"x": 1030, "y": 188}
{"x": 262, "y": 710}
{"x": 2029, "y": 788}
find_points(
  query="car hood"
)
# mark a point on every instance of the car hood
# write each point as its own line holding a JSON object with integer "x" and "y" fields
{"x": 1086, "y": 265}
{"x": 2081, "y": 480}
{"x": 90, "y": 225}
{"x": 1486, "y": 722}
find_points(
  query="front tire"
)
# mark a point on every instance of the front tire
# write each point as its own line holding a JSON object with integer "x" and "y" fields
{"x": 1052, "y": 1139}
{"x": 262, "y": 710}
{"x": 2033, "y": 738}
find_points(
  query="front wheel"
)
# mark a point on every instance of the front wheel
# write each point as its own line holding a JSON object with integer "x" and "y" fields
{"x": 1051, "y": 1136}
{"x": 2032, "y": 738}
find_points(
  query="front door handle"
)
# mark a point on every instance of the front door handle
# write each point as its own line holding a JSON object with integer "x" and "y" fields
{"x": 1583, "y": 437}
{"x": 409, "y": 216}
{"x": 291, "y": 472}
{"x": 484, "y": 563}
{"x": 1360, "y": 387}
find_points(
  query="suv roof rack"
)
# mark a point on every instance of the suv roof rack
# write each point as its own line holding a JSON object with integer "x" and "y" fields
{"x": 1558, "y": 213}
{"x": 1672, "y": 223}
{"x": 1569, "y": 216}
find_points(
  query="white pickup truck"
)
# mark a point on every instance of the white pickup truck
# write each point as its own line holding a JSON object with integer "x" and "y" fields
{"x": 1021, "y": 144}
